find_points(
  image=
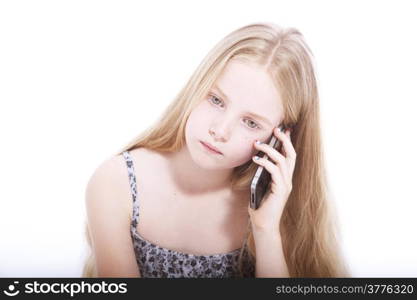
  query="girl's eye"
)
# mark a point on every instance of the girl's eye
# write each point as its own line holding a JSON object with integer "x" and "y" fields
{"x": 256, "y": 125}
{"x": 214, "y": 97}
{"x": 216, "y": 101}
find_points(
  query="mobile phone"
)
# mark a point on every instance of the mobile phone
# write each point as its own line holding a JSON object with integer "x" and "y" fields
{"x": 262, "y": 178}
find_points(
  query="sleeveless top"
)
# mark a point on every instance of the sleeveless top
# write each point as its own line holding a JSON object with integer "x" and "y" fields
{"x": 158, "y": 262}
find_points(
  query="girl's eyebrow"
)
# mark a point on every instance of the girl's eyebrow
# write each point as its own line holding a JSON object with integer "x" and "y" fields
{"x": 247, "y": 112}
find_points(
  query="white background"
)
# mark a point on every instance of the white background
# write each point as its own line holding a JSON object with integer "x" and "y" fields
{"x": 80, "y": 79}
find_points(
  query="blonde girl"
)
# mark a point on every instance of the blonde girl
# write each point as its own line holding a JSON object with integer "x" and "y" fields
{"x": 174, "y": 202}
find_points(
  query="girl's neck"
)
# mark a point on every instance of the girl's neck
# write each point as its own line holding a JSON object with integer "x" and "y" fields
{"x": 191, "y": 179}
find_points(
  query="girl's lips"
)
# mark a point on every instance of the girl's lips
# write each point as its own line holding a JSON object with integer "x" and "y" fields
{"x": 211, "y": 148}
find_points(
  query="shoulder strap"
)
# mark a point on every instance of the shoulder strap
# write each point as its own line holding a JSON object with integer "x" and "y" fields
{"x": 133, "y": 187}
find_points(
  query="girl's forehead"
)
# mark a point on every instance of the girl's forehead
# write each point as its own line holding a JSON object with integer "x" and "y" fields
{"x": 250, "y": 88}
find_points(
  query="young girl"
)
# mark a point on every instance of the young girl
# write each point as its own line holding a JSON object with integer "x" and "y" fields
{"x": 175, "y": 201}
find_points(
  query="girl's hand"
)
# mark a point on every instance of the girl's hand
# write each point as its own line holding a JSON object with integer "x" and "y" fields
{"x": 267, "y": 217}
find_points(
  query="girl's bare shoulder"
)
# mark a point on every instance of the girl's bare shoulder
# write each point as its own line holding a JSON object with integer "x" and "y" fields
{"x": 109, "y": 183}
{"x": 113, "y": 170}
{"x": 112, "y": 176}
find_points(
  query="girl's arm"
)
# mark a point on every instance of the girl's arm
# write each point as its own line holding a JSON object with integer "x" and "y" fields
{"x": 270, "y": 260}
{"x": 109, "y": 220}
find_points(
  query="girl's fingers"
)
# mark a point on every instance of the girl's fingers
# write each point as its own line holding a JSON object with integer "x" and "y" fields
{"x": 275, "y": 156}
{"x": 272, "y": 153}
{"x": 286, "y": 141}
{"x": 276, "y": 171}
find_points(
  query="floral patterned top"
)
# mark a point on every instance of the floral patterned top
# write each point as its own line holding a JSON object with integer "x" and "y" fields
{"x": 155, "y": 261}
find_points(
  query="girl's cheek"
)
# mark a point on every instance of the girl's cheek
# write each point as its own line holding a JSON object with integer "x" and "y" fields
{"x": 248, "y": 141}
{"x": 250, "y": 138}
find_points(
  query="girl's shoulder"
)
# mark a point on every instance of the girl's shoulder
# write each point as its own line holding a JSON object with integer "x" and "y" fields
{"x": 109, "y": 187}
{"x": 108, "y": 182}
{"x": 143, "y": 157}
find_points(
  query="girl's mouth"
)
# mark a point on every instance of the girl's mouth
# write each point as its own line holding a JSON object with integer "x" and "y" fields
{"x": 211, "y": 150}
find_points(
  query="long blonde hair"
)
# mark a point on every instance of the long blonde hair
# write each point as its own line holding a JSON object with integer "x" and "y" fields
{"x": 309, "y": 229}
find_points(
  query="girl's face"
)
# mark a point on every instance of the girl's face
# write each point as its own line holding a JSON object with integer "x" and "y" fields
{"x": 242, "y": 106}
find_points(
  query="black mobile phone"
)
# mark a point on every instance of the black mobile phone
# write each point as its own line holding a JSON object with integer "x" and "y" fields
{"x": 262, "y": 178}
